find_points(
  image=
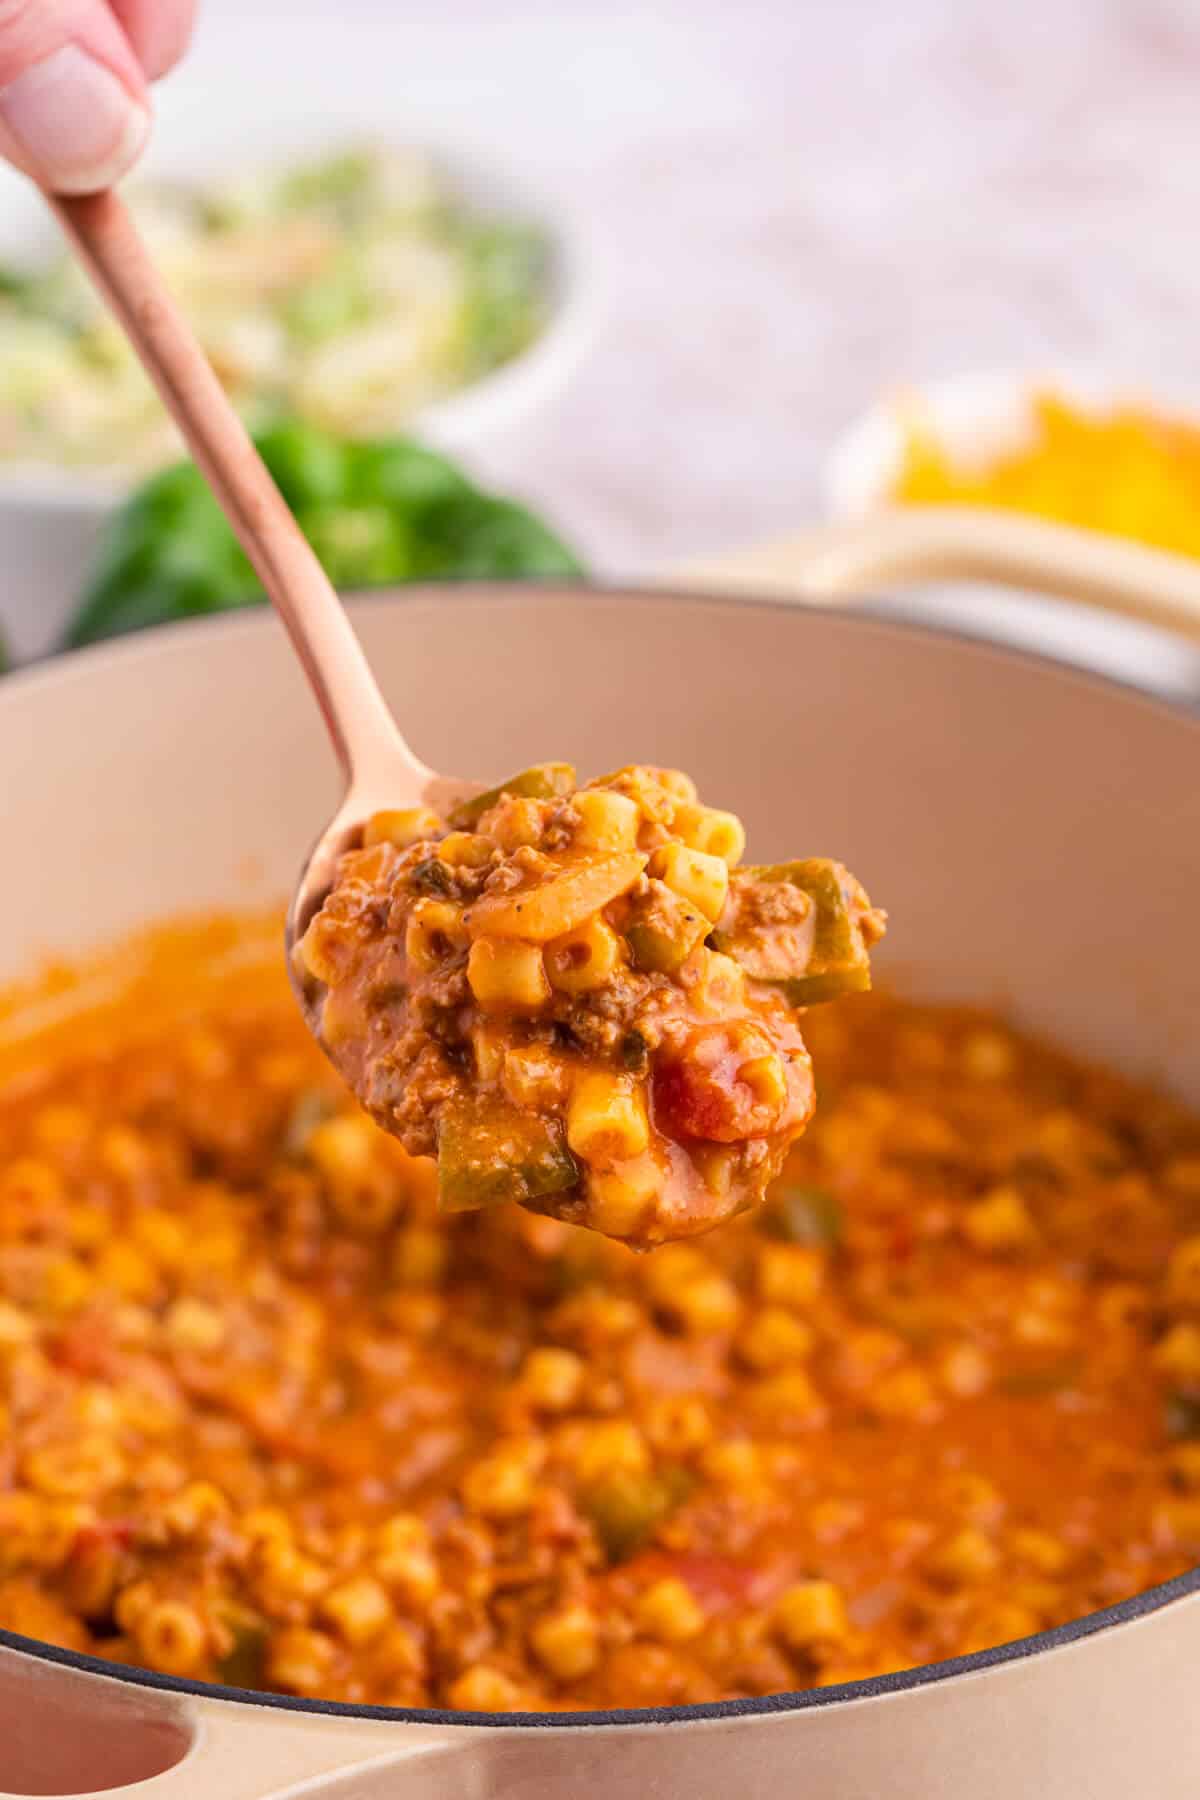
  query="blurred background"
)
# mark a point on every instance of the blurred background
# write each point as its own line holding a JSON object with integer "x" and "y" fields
{"x": 759, "y": 223}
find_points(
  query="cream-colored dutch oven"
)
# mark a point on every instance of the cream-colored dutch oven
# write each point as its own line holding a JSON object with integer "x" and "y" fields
{"x": 1036, "y": 836}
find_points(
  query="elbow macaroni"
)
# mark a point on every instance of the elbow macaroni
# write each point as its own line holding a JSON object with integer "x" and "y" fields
{"x": 606, "y": 1119}
{"x": 507, "y": 976}
{"x": 585, "y": 959}
{"x": 710, "y": 831}
{"x": 699, "y": 877}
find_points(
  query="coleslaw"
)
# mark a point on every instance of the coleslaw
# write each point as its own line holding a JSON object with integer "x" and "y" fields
{"x": 349, "y": 292}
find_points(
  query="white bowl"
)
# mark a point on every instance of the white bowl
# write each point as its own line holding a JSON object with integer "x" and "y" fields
{"x": 975, "y": 417}
{"x": 51, "y": 517}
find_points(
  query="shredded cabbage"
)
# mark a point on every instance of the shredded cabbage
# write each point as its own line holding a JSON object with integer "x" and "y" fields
{"x": 350, "y": 292}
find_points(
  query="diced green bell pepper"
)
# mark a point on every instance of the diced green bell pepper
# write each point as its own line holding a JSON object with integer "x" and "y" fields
{"x": 626, "y": 1506}
{"x": 243, "y": 1665}
{"x": 544, "y": 781}
{"x": 803, "y": 1215}
{"x": 838, "y": 962}
{"x": 490, "y": 1152}
{"x": 663, "y": 929}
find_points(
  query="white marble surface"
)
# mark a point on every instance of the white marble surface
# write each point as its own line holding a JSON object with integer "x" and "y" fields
{"x": 797, "y": 204}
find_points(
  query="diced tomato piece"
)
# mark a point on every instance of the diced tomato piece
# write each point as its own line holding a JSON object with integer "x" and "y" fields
{"x": 719, "y": 1583}
{"x": 102, "y": 1532}
{"x": 701, "y": 1090}
{"x": 86, "y": 1347}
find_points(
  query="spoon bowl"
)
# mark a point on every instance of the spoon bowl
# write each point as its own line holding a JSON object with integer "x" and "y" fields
{"x": 398, "y": 781}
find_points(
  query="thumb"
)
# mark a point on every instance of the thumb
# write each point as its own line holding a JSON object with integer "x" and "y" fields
{"x": 74, "y": 111}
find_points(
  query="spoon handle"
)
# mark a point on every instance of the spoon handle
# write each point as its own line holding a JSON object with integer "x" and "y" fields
{"x": 364, "y": 733}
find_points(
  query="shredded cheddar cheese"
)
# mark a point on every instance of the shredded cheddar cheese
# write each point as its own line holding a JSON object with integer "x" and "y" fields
{"x": 1126, "y": 471}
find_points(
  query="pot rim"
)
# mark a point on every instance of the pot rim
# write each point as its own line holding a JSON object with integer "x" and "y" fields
{"x": 870, "y": 611}
{"x": 877, "y": 622}
{"x": 874, "y": 1687}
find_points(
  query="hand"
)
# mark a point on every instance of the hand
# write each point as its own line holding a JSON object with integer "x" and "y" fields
{"x": 74, "y": 105}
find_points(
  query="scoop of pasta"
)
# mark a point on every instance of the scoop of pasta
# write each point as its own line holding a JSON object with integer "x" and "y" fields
{"x": 576, "y": 999}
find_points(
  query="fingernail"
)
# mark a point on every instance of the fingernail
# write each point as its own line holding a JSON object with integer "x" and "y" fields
{"x": 80, "y": 127}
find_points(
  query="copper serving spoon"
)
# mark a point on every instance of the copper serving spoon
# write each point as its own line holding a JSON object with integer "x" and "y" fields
{"x": 381, "y": 770}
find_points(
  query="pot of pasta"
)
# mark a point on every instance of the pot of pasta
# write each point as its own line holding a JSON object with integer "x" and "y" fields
{"x": 329, "y": 1466}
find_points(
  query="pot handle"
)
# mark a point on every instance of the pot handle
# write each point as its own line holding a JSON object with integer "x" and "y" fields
{"x": 245, "y": 1752}
{"x": 224, "y": 1749}
{"x": 903, "y": 546}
